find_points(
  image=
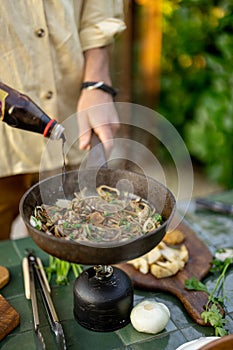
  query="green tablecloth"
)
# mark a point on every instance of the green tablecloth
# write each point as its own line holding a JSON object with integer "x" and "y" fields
{"x": 215, "y": 230}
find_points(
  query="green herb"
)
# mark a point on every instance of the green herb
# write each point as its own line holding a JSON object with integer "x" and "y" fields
{"x": 212, "y": 313}
{"x": 127, "y": 226}
{"x": 106, "y": 214}
{"x": 214, "y": 317}
{"x": 62, "y": 272}
{"x": 68, "y": 225}
{"x": 218, "y": 265}
{"x": 61, "y": 269}
{"x": 157, "y": 217}
{"x": 123, "y": 221}
{"x": 76, "y": 225}
{"x": 194, "y": 284}
{"x": 36, "y": 223}
{"x": 77, "y": 270}
{"x": 88, "y": 230}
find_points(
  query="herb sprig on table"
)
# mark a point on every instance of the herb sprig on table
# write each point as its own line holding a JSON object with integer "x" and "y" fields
{"x": 217, "y": 296}
{"x": 61, "y": 269}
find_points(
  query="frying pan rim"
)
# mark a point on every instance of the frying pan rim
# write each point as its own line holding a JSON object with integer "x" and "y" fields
{"x": 100, "y": 245}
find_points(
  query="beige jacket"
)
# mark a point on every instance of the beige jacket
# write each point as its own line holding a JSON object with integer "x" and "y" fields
{"x": 41, "y": 55}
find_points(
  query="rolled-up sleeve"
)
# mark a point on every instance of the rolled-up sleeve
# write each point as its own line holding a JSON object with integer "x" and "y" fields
{"x": 100, "y": 22}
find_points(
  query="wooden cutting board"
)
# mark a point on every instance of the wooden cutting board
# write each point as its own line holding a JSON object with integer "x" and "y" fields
{"x": 9, "y": 317}
{"x": 197, "y": 266}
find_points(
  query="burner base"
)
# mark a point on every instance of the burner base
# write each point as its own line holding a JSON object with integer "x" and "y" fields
{"x": 103, "y": 304}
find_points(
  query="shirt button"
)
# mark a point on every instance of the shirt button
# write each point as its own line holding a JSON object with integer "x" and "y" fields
{"x": 49, "y": 95}
{"x": 40, "y": 32}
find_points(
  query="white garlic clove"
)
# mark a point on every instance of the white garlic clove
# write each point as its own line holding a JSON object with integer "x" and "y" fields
{"x": 150, "y": 317}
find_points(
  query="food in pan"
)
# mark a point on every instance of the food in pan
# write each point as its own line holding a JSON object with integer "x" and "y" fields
{"x": 162, "y": 261}
{"x": 109, "y": 216}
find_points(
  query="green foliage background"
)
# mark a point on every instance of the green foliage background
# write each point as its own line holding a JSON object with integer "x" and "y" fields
{"x": 197, "y": 80}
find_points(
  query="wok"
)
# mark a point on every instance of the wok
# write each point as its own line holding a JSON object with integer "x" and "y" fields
{"x": 53, "y": 188}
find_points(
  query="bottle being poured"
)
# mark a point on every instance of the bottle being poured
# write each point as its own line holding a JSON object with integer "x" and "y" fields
{"x": 19, "y": 111}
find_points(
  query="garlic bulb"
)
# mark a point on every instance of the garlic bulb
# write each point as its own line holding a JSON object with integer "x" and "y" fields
{"x": 149, "y": 316}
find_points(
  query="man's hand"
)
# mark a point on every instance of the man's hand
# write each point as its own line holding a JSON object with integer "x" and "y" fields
{"x": 98, "y": 114}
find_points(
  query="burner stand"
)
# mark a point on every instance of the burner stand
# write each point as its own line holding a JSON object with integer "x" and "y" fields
{"x": 103, "y": 298}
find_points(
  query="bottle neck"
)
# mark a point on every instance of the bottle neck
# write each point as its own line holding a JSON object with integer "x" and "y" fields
{"x": 57, "y": 132}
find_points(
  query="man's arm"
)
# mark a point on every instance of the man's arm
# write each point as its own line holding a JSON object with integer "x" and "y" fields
{"x": 102, "y": 119}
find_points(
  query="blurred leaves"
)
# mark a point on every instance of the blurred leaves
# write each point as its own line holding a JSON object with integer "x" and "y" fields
{"x": 197, "y": 80}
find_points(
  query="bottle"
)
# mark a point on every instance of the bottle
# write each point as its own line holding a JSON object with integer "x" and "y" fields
{"x": 19, "y": 111}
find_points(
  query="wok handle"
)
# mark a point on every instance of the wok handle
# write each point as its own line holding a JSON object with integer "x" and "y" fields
{"x": 96, "y": 157}
{"x": 95, "y": 140}
{"x": 216, "y": 206}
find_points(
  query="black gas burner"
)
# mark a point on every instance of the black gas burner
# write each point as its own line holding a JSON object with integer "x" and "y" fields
{"x": 103, "y": 298}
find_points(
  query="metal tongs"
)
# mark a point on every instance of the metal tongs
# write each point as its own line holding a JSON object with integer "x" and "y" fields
{"x": 32, "y": 271}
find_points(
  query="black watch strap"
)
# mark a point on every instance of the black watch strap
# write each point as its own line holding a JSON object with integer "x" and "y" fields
{"x": 91, "y": 85}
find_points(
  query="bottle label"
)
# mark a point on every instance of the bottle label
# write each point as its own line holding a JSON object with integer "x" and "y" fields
{"x": 3, "y": 96}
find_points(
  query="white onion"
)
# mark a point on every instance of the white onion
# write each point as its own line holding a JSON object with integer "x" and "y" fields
{"x": 150, "y": 316}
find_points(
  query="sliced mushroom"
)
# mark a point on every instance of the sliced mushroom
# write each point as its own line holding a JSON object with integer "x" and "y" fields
{"x": 162, "y": 261}
{"x": 96, "y": 218}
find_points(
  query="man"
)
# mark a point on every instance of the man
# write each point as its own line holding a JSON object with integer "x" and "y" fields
{"x": 48, "y": 48}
